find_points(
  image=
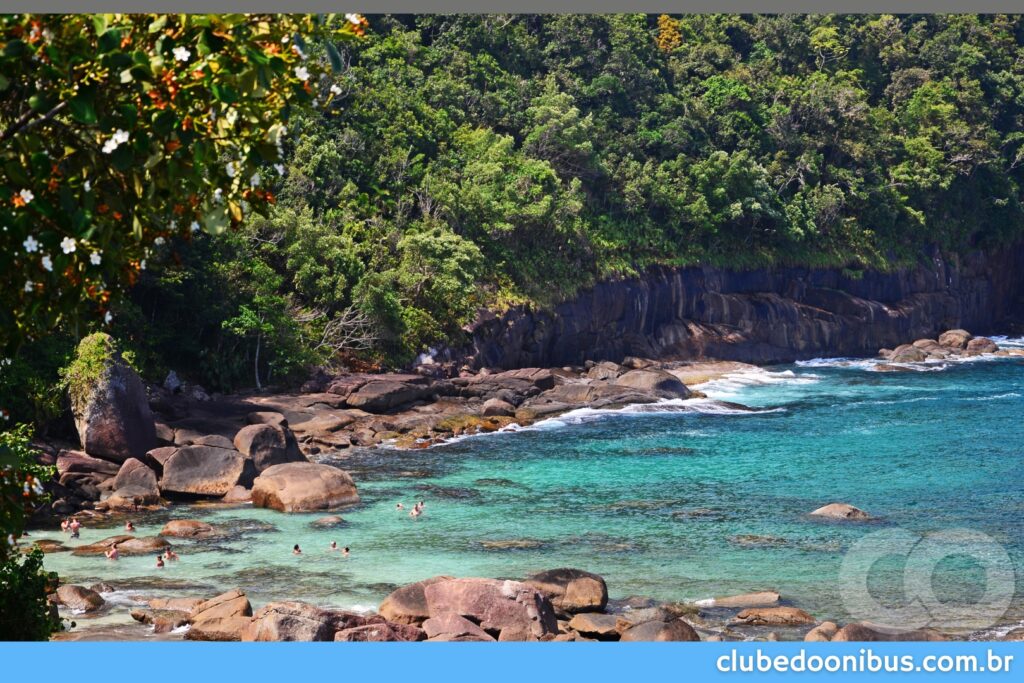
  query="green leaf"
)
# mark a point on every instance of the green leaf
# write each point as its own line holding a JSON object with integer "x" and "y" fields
{"x": 82, "y": 109}
{"x": 110, "y": 40}
{"x": 4, "y": 82}
{"x": 136, "y": 227}
{"x": 334, "y": 56}
{"x": 159, "y": 24}
{"x": 216, "y": 220}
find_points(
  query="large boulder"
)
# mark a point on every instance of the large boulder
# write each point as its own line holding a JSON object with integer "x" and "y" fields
{"x": 303, "y": 486}
{"x": 381, "y": 396}
{"x": 79, "y": 598}
{"x": 653, "y": 381}
{"x": 599, "y": 626}
{"x": 408, "y": 604}
{"x": 867, "y": 633}
{"x": 187, "y": 528}
{"x": 980, "y": 345}
{"x": 79, "y": 462}
{"x": 675, "y": 630}
{"x": 955, "y": 339}
{"x": 571, "y": 590}
{"x": 380, "y": 632}
{"x": 840, "y": 511}
{"x": 291, "y": 621}
{"x": 205, "y": 471}
{"x": 135, "y": 478}
{"x": 908, "y": 353}
{"x": 218, "y": 629}
{"x": 232, "y": 604}
{"x": 510, "y": 609}
{"x": 109, "y": 403}
{"x": 147, "y": 545}
{"x": 450, "y": 626}
{"x": 100, "y": 547}
{"x": 496, "y": 407}
{"x": 759, "y": 599}
{"x": 268, "y": 445}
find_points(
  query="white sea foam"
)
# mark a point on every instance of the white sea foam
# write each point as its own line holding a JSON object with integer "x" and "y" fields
{"x": 732, "y": 384}
{"x": 935, "y": 365}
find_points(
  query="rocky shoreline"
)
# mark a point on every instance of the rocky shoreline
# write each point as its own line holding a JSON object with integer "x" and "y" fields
{"x": 263, "y": 450}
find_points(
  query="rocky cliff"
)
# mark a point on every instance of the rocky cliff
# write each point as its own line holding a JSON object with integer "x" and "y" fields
{"x": 758, "y": 316}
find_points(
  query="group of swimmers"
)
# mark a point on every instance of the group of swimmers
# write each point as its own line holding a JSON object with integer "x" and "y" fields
{"x": 71, "y": 525}
{"x": 168, "y": 555}
{"x": 416, "y": 511}
{"x": 296, "y": 550}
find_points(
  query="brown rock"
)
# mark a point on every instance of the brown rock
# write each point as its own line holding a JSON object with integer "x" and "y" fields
{"x": 218, "y": 629}
{"x": 656, "y": 382}
{"x": 822, "y": 633}
{"x": 980, "y": 345}
{"x": 303, "y": 486}
{"x": 100, "y": 547}
{"x": 452, "y": 625}
{"x": 187, "y": 528}
{"x": 268, "y": 445}
{"x": 497, "y": 407}
{"x": 77, "y": 461}
{"x": 163, "y": 621}
{"x": 773, "y": 616}
{"x": 512, "y": 609}
{"x": 408, "y": 604}
{"x": 214, "y": 441}
{"x": 114, "y": 421}
{"x": 955, "y": 339}
{"x": 379, "y": 633}
{"x": 676, "y": 630}
{"x": 175, "y": 604}
{"x": 238, "y": 494}
{"x": 867, "y": 633}
{"x": 232, "y": 603}
{"x": 907, "y": 353}
{"x": 49, "y": 545}
{"x": 205, "y": 471}
{"x": 840, "y": 511}
{"x": 266, "y": 418}
{"x": 600, "y": 626}
{"x": 143, "y": 546}
{"x": 571, "y": 590}
{"x": 759, "y": 599}
{"x": 79, "y": 598}
{"x": 158, "y": 456}
{"x": 290, "y": 621}
{"x": 134, "y": 474}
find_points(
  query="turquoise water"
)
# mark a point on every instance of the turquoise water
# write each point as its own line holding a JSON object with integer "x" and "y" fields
{"x": 682, "y": 501}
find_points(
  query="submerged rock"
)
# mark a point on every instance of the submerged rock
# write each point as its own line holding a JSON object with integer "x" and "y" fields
{"x": 862, "y": 632}
{"x": 840, "y": 511}
{"x": 773, "y": 616}
{"x": 79, "y": 598}
{"x": 758, "y": 599}
{"x": 187, "y": 528}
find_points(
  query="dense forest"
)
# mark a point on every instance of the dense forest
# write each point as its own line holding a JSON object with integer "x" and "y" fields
{"x": 455, "y": 162}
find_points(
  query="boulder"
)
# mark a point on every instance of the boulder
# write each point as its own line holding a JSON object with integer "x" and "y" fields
{"x": 303, "y": 486}
{"x": 205, "y": 471}
{"x": 381, "y": 396}
{"x": 1014, "y": 636}
{"x": 408, "y": 604}
{"x": 49, "y": 545}
{"x": 867, "y": 633}
{"x": 136, "y": 475}
{"x": 497, "y": 407}
{"x": 100, "y": 547}
{"x": 114, "y": 421}
{"x": 329, "y": 522}
{"x": 840, "y": 511}
{"x": 955, "y": 339}
{"x": 980, "y": 345}
{"x": 238, "y": 494}
{"x": 214, "y": 440}
{"x": 230, "y": 604}
{"x": 187, "y": 528}
{"x": 452, "y": 626}
{"x": 268, "y": 445}
{"x": 605, "y": 370}
{"x": 147, "y": 545}
{"x": 759, "y": 599}
{"x": 513, "y": 610}
{"x": 175, "y": 604}
{"x": 657, "y": 382}
{"x": 162, "y": 621}
{"x": 158, "y": 456}
{"x": 290, "y": 621}
{"x": 218, "y": 629}
{"x": 77, "y": 461}
{"x": 79, "y": 598}
{"x": 773, "y": 616}
{"x": 907, "y": 353}
{"x": 571, "y": 590}
{"x": 676, "y": 630}
{"x": 821, "y": 633}
{"x": 382, "y": 632}
{"x": 600, "y": 626}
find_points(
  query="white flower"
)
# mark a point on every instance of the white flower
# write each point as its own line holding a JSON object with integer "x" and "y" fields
{"x": 30, "y": 286}
{"x": 67, "y": 245}
{"x": 195, "y": 226}
{"x": 335, "y": 89}
{"x": 96, "y": 258}
{"x": 142, "y": 264}
{"x": 254, "y": 181}
{"x": 299, "y": 52}
{"x": 279, "y": 168}
{"x": 159, "y": 241}
{"x": 87, "y": 186}
{"x": 284, "y": 39}
{"x": 218, "y": 196}
{"x": 116, "y": 140}
{"x": 31, "y": 244}
{"x": 353, "y": 18}
{"x": 302, "y": 73}
{"x": 181, "y": 53}
{"x": 47, "y": 263}
{"x": 230, "y": 169}
{"x": 108, "y": 317}
{"x": 231, "y": 116}
{"x": 26, "y": 196}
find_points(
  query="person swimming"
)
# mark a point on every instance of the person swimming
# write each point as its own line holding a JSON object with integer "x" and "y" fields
{"x": 334, "y": 545}
{"x": 345, "y": 551}
{"x": 399, "y": 507}
{"x": 170, "y": 555}
{"x": 74, "y": 525}
{"x": 65, "y": 525}
{"x": 415, "y": 512}
{"x": 129, "y": 527}
{"x": 296, "y": 550}
{"x": 112, "y": 553}
{"x": 159, "y": 561}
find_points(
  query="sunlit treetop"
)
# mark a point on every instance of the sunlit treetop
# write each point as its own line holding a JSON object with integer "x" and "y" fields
{"x": 119, "y": 131}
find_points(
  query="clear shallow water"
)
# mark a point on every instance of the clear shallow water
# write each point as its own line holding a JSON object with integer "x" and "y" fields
{"x": 686, "y": 501}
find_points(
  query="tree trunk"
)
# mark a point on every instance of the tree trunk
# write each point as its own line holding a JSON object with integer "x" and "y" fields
{"x": 256, "y": 361}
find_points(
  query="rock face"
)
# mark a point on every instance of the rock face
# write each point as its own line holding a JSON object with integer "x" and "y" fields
{"x": 79, "y": 598}
{"x": 757, "y": 316}
{"x": 657, "y": 382}
{"x": 451, "y": 627}
{"x": 297, "y": 487}
{"x": 268, "y": 445}
{"x": 218, "y": 629}
{"x": 115, "y": 422}
{"x": 136, "y": 479}
{"x": 408, "y": 604}
{"x": 510, "y": 609}
{"x": 956, "y": 339}
{"x": 290, "y": 621}
{"x": 773, "y": 616}
{"x": 205, "y": 471}
{"x": 867, "y": 633}
{"x": 840, "y": 511}
{"x": 232, "y": 604}
{"x": 571, "y": 590}
{"x": 675, "y": 630}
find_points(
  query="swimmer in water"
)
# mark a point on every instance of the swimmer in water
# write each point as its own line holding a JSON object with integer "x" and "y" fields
{"x": 159, "y": 561}
{"x": 345, "y": 551}
{"x": 129, "y": 527}
{"x": 296, "y": 550}
{"x": 399, "y": 507}
{"x": 112, "y": 553}
{"x": 334, "y": 545}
